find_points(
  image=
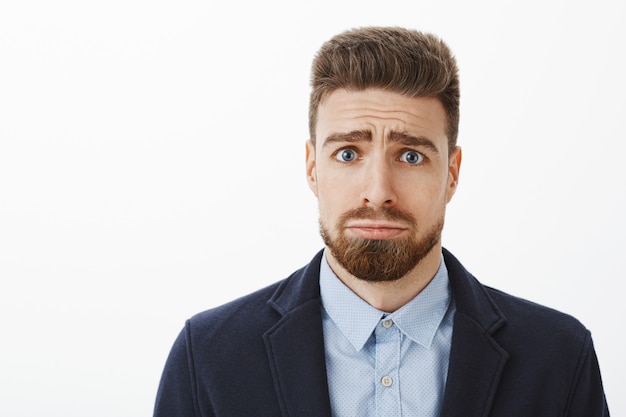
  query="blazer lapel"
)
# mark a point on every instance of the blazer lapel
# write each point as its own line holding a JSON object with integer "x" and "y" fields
{"x": 295, "y": 347}
{"x": 476, "y": 359}
{"x": 476, "y": 363}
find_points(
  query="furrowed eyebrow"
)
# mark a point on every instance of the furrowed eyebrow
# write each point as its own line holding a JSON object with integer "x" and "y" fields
{"x": 410, "y": 140}
{"x": 394, "y": 136}
{"x": 353, "y": 136}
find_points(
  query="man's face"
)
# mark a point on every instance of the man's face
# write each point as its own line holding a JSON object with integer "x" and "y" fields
{"x": 383, "y": 175}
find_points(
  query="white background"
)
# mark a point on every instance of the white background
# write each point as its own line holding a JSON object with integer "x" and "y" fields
{"x": 152, "y": 166}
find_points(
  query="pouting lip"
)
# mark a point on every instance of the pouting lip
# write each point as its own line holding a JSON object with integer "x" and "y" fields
{"x": 375, "y": 231}
{"x": 372, "y": 224}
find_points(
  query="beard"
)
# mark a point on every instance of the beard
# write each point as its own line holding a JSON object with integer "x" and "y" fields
{"x": 380, "y": 260}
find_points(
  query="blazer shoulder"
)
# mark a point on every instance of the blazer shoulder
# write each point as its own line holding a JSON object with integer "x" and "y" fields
{"x": 496, "y": 310}
{"x": 254, "y": 313}
{"x": 550, "y": 355}
{"x": 249, "y": 308}
{"x": 534, "y": 321}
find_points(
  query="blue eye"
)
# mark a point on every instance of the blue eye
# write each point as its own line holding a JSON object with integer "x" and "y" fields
{"x": 412, "y": 157}
{"x": 346, "y": 155}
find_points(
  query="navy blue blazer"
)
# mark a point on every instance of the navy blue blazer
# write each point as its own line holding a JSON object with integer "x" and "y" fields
{"x": 262, "y": 355}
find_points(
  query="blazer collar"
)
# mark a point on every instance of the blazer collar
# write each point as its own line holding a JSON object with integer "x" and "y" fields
{"x": 295, "y": 345}
{"x": 476, "y": 359}
{"x": 300, "y": 288}
{"x": 470, "y": 296}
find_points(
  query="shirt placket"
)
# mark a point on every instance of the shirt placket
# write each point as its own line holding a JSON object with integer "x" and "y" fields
{"x": 387, "y": 379}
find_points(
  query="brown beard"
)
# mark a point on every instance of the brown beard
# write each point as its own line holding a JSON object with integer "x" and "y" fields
{"x": 380, "y": 260}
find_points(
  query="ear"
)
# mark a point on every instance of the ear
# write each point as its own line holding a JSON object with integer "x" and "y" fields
{"x": 454, "y": 167}
{"x": 311, "y": 176}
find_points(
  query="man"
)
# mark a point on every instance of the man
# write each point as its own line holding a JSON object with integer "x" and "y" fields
{"x": 383, "y": 321}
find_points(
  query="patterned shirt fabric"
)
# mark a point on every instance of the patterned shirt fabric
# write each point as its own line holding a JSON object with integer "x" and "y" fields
{"x": 386, "y": 364}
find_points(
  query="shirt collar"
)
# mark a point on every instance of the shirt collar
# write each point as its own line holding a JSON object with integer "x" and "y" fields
{"x": 419, "y": 319}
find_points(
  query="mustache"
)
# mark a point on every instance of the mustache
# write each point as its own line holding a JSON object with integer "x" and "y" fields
{"x": 368, "y": 213}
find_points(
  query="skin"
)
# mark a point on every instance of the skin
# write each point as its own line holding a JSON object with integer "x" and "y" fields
{"x": 414, "y": 172}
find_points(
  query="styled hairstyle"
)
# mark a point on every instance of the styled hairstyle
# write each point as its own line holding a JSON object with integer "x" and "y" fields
{"x": 405, "y": 61}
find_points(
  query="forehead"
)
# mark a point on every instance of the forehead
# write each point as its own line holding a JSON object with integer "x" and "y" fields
{"x": 380, "y": 112}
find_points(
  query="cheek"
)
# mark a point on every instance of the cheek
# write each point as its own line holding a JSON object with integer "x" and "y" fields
{"x": 327, "y": 197}
{"x": 333, "y": 198}
{"x": 424, "y": 201}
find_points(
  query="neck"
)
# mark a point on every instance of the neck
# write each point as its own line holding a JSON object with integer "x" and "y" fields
{"x": 389, "y": 296}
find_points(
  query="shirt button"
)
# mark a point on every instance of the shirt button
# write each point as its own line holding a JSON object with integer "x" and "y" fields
{"x": 386, "y": 381}
{"x": 387, "y": 323}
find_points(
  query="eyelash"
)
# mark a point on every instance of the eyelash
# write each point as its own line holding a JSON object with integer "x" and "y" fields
{"x": 339, "y": 152}
{"x": 422, "y": 158}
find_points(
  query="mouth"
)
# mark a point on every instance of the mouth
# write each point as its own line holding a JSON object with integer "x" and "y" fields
{"x": 375, "y": 231}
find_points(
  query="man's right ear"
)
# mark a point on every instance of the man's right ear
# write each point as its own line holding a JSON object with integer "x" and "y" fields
{"x": 311, "y": 176}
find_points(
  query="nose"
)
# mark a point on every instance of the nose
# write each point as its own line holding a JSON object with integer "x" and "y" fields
{"x": 378, "y": 184}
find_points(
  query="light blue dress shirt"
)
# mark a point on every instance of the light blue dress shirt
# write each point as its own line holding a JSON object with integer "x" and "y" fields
{"x": 382, "y": 364}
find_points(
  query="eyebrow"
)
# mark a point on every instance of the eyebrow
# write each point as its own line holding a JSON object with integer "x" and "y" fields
{"x": 411, "y": 140}
{"x": 394, "y": 136}
{"x": 353, "y": 136}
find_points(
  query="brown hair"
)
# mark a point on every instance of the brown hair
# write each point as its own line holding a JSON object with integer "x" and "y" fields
{"x": 402, "y": 60}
